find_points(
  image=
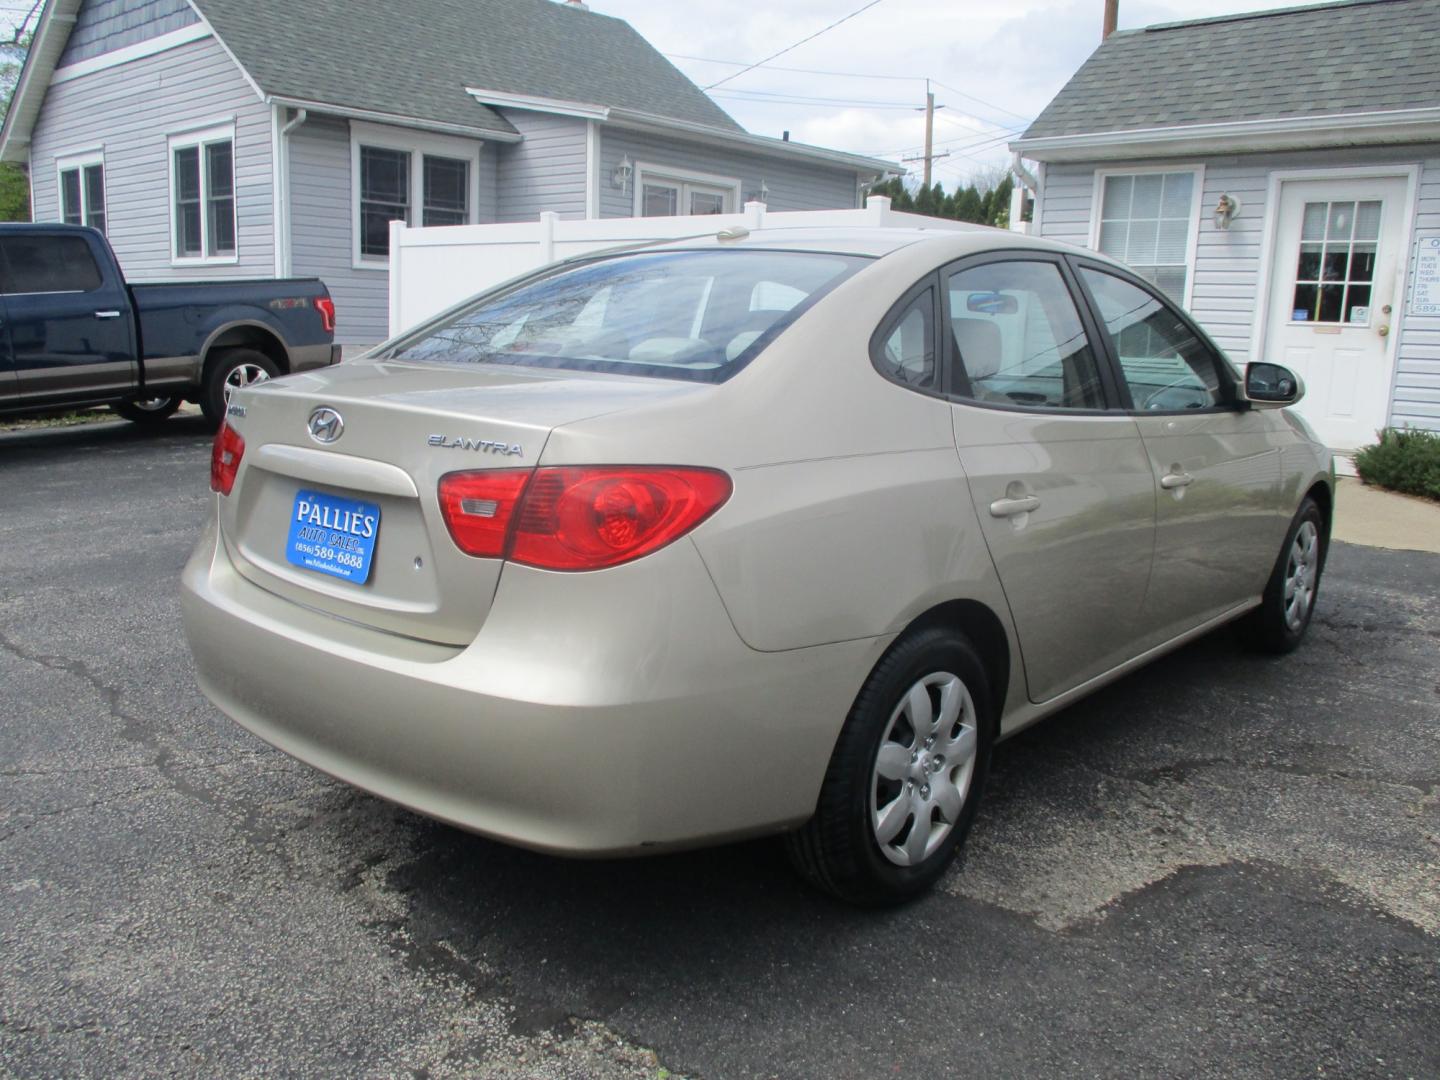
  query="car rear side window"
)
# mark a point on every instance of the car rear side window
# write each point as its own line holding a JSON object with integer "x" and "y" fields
{"x": 47, "y": 264}
{"x": 694, "y": 315}
{"x": 1019, "y": 339}
{"x": 1164, "y": 364}
{"x": 905, "y": 351}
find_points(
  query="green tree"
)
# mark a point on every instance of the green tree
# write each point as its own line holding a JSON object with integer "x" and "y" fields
{"x": 14, "y": 184}
{"x": 968, "y": 207}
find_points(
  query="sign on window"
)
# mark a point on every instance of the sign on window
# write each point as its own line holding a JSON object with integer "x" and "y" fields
{"x": 1425, "y": 294}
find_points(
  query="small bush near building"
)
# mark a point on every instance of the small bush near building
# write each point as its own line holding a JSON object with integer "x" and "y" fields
{"x": 1406, "y": 461}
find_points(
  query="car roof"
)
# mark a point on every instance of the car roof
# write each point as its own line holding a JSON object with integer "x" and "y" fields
{"x": 950, "y": 241}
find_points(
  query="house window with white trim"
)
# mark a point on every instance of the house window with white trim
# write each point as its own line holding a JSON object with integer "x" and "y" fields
{"x": 82, "y": 190}
{"x": 665, "y": 194}
{"x": 1147, "y": 221}
{"x": 202, "y": 196}
{"x": 422, "y": 180}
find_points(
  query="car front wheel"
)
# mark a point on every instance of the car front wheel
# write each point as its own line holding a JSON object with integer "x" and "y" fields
{"x": 1279, "y": 623}
{"x": 904, "y": 779}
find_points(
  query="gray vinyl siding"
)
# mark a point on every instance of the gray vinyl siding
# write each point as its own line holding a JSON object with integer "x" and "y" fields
{"x": 102, "y": 26}
{"x": 545, "y": 171}
{"x": 790, "y": 184}
{"x": 322, "y": 223}
{"x": 130, "y": 111}
{"x": 1225, "y": 291}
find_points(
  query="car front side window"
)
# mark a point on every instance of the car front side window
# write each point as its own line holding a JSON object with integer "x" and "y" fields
{"x": 1018, "y": 338}
{"x": 1162, "y": 361}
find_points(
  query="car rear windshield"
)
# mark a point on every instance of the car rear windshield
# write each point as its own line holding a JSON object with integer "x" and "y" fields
{"x": 696, "y": 315}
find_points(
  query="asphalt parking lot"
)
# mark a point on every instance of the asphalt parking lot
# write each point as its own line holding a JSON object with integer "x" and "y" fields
{"x": 1224, "y": 865}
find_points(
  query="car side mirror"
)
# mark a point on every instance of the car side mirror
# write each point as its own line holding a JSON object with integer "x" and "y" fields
{"x": 1270, "y": 386}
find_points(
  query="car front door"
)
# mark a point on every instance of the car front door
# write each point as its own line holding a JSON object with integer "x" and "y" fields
{"x": 1218, "y": 519}
{"x": 70, "y": 335}
{"x": 1060, "y": 481}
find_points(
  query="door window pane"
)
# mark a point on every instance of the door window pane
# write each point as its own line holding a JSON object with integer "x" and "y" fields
{"x": 1335, "y": 265}
{"x": 44, "y": 264}
{"x": 707, "y": 202}
{"x": 70, "y": 210}
{"x": 95, "y": 196}
{"x": 188, "y": 240}
{"x": 384, "y": 196}
{"x": 1146, "y": 221}
{"x": 660, "y": 200}
{"x": 447, "y": 191}
{"x": 907, "y": 354}
{"x": 1163, "y": 363}
{"x": 1019, "y": 338}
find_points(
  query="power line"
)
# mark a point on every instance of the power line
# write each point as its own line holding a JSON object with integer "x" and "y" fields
{"x": 789, "y": 48}
{"x": 764, "y": 97}
{"x": 801, "y": 71}
{"x": 981, "y": 101}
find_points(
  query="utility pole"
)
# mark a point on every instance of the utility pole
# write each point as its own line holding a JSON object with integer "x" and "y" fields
{"x": 929, "y": 155}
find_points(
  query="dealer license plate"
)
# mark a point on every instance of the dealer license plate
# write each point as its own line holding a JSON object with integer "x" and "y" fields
{"x": 332, "y": 535}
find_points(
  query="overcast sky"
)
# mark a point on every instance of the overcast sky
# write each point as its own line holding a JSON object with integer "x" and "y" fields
{"x": 999, "y": 64}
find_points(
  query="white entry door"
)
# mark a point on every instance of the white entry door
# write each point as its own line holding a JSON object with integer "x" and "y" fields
{"x": 1333, "y": 300}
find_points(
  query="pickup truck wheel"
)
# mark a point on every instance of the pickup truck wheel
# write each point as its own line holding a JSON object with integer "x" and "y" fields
{"x": 227, "y": 372}
{"x": 146, "y": 410}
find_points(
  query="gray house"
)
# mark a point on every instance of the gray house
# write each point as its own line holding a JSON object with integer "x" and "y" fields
{"x": 257, "y": 138}
{"x": 1279, "y": 172}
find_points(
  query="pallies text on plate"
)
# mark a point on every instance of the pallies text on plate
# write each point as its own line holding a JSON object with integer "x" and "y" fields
{"x": 332, "y": 517}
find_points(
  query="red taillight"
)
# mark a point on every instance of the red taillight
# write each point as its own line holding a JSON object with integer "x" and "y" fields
{"x": 478, "y": 507}
{"x": 326, "y": 307}
{"x": 225, "y": 458}
{"x": 583, "y": 518}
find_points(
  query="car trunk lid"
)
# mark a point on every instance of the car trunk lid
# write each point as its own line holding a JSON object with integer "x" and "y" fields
{"x": 386, "y": 434}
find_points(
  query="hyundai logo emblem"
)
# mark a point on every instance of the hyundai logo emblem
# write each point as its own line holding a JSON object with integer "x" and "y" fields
{"x": 325, "y": 425}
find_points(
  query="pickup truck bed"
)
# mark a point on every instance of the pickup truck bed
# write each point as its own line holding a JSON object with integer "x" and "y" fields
{"x": 75, "y": 333}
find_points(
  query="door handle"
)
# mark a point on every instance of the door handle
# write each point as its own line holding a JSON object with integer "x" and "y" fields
{"x": 1003, "y": 508}
{"x": 1173, "y": 480}
{"x": 107, "y": 314}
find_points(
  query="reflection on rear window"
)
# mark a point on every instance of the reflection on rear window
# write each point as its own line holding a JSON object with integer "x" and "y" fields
{"x": 697, "y": 315}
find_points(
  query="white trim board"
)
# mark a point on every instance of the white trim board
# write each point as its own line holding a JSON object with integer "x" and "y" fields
{"x": 153, "y": 47}
{"x": 1277, "y": 178}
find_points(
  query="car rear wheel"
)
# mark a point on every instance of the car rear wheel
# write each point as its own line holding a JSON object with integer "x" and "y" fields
{"x": 905, "y": 777}
{"x": 1280, "y": 622}
{"x": 146, "y": 410}
{"x": 228, "y": 371}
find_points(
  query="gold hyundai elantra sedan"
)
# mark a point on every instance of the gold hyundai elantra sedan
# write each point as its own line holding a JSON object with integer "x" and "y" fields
{"x": 773, "y": 532}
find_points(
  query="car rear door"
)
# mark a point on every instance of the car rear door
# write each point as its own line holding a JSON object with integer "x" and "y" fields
{"x": 8, "y": 382}
{"x": 1060, "y": 481}
{"x": 70, "y": 334}
{"x": 1218, "y": 521}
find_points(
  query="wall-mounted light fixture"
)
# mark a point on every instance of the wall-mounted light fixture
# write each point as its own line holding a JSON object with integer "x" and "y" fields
{"x": 1226, "y": 211}
{"x": 621, "y": 176}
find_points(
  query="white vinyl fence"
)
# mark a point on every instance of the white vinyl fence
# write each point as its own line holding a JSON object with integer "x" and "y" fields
{"x": 431, "y": 269}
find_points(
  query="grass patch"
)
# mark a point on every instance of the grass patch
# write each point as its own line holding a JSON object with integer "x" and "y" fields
{"x": 69, "y": 418}
{"x": 1406, "y": 461}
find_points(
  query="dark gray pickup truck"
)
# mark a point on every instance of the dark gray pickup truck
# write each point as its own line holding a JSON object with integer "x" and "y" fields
{"x": 73, "y": 333}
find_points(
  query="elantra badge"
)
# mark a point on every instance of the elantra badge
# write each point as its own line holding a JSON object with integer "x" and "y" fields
{"x": 461, "y": 442}
{"x": 325, "y": 425}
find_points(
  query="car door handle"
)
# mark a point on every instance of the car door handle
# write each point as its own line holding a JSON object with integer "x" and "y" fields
{"x": 1003, "y": 508}
{"x": 107, "y": 314}
{"x": 1173, "y": 480}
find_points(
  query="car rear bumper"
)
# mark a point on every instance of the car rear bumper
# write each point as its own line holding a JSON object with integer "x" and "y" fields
{"x": 630, "y": 720}
{"x": 309, "y": 357}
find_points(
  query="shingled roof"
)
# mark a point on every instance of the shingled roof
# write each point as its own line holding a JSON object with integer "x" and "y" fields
{"x": 415, "y": 59}
{"x": 1362, "y": 56}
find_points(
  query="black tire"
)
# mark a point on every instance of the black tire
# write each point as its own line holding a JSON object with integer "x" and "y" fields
{"x": 227, "y": 366}
{"x": 1273, "y": 626}
{"x": 839, "y": 849}
{"x": 147, "y": 410}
